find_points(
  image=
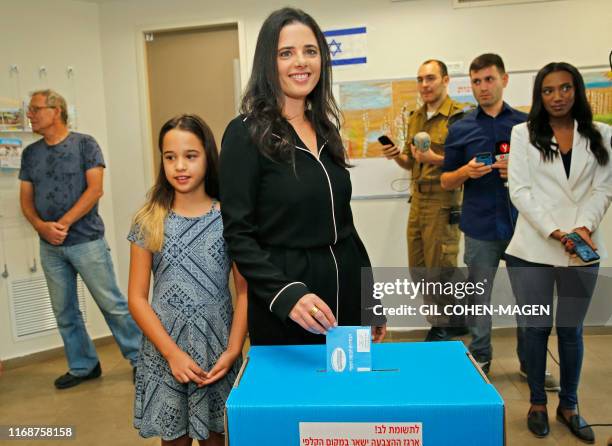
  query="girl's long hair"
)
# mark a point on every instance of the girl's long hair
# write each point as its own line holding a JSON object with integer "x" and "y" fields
{"x": 263, "y": 99}
{"x": 540, "y": 131}
{"x": 149, "y": 220}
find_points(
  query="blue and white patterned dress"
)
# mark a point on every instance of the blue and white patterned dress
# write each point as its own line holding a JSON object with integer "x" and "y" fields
{"x": 192, "y": 300}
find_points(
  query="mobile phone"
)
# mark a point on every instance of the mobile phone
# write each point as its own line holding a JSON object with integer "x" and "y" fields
{"x": 582, "y": 250}
{"x": 484, "y": 157}
{"x": 385, "y": 140}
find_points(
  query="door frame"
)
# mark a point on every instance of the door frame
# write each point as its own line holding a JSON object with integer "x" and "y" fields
{"x": 146, "y": 127}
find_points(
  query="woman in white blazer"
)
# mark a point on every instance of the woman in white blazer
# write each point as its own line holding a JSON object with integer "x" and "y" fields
{"x": 560, "y": 180}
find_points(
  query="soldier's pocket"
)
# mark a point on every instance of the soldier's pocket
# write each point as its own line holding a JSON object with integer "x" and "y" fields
{"x": 449, "y": 236}
{"x": 444, "y": 228}
{"x": 450, "y": 250}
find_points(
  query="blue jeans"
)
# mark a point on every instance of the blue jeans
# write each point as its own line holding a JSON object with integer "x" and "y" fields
{"x": 534, "y": 284}
{"x": 482, "y": 258}
{"x": 92, "y": 261}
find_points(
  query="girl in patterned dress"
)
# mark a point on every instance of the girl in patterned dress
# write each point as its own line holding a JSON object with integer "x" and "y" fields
{"x": 191, "y": 352}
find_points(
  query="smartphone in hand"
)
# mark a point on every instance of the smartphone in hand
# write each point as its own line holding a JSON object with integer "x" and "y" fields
{"x": 484, "y": 157}
{"x": 385, "y": 140}
{"x": 582, "y": 249}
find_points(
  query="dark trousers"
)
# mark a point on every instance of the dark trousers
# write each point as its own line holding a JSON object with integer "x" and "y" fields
{"x": 534, "y": 284}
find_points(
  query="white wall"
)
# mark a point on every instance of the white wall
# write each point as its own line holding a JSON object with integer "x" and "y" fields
{"x": 400, "y": 36}
{"x": 55, "y": 34}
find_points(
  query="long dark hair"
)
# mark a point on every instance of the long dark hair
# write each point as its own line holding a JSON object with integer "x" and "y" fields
{"x": 196, "y": 125}
{"x": 263, "y": 99}
{"x": 150, "y": 218}
{"x": 540, "y": 131}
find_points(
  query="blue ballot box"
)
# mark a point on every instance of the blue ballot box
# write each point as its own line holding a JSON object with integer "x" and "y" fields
{"x": 424, "y": 394}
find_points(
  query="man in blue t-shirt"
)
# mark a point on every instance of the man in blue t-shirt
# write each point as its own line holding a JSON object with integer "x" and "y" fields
{"x": 61, "y": 182}
{"x": 487, "y": 215}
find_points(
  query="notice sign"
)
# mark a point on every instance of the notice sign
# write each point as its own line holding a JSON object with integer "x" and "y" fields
{"x": 361, "y": 434}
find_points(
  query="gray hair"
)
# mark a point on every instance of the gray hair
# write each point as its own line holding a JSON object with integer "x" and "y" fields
{"x": 56, "y": 100}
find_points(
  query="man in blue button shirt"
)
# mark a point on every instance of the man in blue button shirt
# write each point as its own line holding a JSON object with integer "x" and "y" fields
{"x": 488, "y": 216}
{"x": 61, "y": 182}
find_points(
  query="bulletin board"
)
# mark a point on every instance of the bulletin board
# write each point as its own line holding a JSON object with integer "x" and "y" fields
{"x": 372, "y": 108}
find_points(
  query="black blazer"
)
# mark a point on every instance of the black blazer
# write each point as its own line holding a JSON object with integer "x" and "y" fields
{"x": 290, "y": 232}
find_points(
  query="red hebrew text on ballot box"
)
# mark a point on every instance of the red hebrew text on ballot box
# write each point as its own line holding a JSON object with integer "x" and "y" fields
{"x": 361, "y": 434}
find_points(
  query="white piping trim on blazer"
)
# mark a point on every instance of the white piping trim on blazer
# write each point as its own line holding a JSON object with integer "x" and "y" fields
{"x": 331, "y": 192}
{"x": 337, "y": 283}
{"x": 283, "y": 289}
{"x": 331, "y": 195}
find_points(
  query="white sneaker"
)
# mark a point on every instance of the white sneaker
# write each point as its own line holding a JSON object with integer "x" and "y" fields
{"x": 550, "y": 383}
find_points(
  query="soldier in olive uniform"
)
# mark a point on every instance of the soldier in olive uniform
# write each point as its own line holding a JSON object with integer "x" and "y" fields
{"x": 433, "y": 237}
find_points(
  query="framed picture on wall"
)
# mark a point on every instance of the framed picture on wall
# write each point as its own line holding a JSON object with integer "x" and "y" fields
{"x": 11, "y": 119}
{"x": 10, "y": 153}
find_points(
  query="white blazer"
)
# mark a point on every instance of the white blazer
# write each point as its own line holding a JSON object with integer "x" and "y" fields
{"x": 547, "y": 199}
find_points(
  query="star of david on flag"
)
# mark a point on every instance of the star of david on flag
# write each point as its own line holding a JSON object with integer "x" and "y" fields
{"x": 347, "y": 46}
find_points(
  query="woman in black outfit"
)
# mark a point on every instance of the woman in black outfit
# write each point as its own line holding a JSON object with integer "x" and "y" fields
{"x": 286, "y": 192}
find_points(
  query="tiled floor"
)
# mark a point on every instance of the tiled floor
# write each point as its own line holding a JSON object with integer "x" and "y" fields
{"x": 101, "y": 410}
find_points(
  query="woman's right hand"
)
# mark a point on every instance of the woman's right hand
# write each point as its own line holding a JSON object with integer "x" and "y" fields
{"x": 585, "y": 234}
{"x": 561, "y": 236}
{"x": 312, "y": 314}
{"x": 184, "y": 368}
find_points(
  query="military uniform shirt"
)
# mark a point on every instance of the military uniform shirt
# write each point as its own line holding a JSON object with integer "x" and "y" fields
{"x": 437, "y": 128}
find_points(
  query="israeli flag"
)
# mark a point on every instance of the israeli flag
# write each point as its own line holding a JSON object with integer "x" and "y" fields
{"x": 347, "y": 46}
